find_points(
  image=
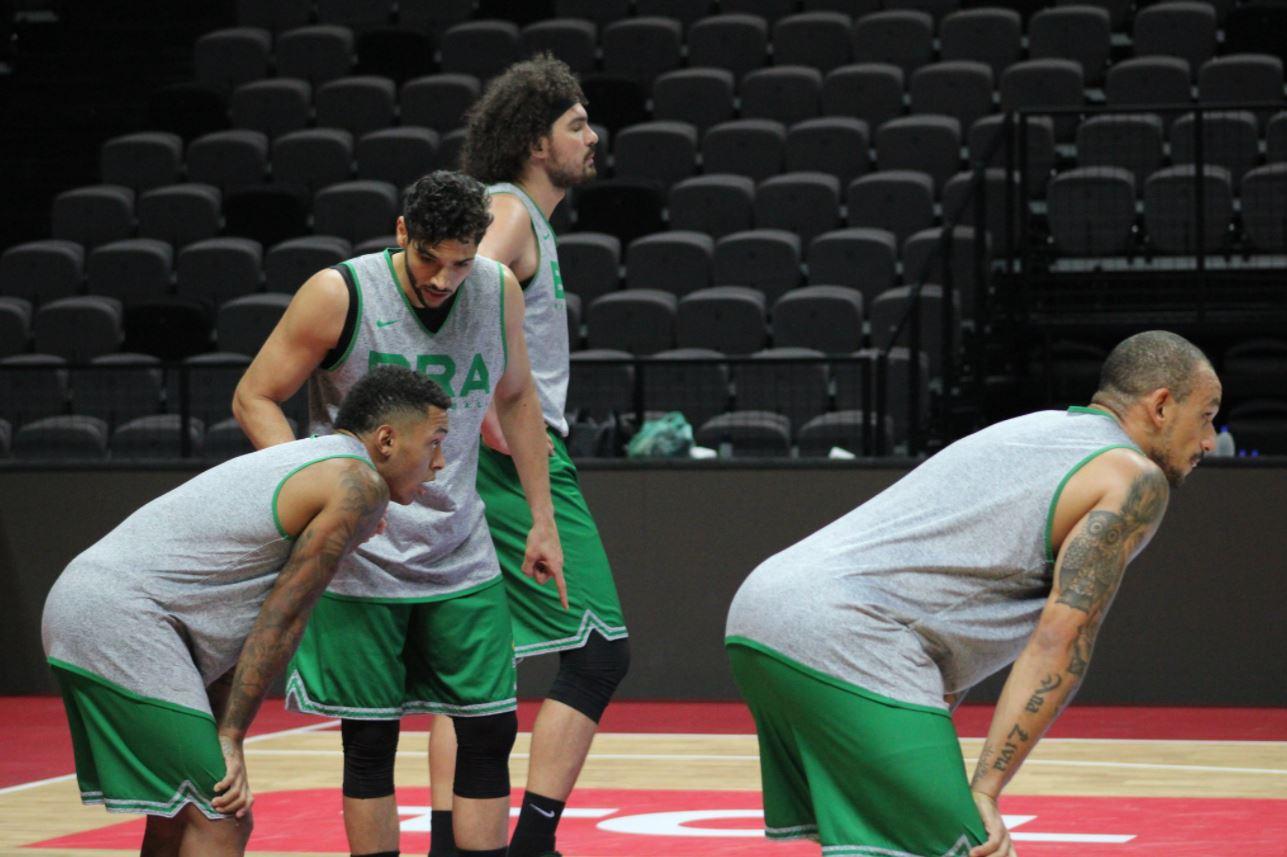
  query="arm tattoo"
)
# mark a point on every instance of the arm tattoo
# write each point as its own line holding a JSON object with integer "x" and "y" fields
{"x": 300, "y": 583}
{"x": 1097, "y": 556}
{"x": 1007, "y": 752}
{"x": 1079, "y": 657}
{"x": 1038, "y": 699}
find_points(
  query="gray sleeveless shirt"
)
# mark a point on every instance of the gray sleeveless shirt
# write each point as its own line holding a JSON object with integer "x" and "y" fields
{"x": 545, "y": 323}
{"x": 938, "y": 581}
{"x": 182, "y": 579}
{"x": 439, "y": 545}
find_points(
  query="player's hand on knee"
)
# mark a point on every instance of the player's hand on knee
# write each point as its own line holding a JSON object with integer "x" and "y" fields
{"x": 999, "y": 843}
{"x": 232, "y": 793}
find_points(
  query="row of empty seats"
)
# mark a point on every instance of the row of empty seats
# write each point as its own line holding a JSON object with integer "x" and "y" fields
{"x": 118, "y": 388}
{"x": 664, "y": 153}
{"x": 227, "y": 273}
{"x": 84, "y": 327}
{"x": 85, "y": 438}
{"x": 641, "y": 48}
{"x": 872, "y": 91}
{"x": 1093, "y": 211}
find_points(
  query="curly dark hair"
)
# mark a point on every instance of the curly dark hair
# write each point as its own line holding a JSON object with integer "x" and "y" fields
{"x": 513, "y": 114}
{"x": 446, "y": 206}
{"x": 386, "y": 393}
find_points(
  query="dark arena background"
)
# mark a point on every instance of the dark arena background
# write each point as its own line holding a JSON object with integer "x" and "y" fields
{"x": 834, "y": 235}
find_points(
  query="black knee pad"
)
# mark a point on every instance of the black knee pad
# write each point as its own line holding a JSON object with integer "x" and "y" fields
{"x": 482, "y": 754}
{"x": 588, "y": 676}
{"x": 370, "y": 747}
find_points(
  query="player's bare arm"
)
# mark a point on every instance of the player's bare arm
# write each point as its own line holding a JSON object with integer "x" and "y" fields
{"x": 519, "y": 412}
{"x": 510, "y": 241}
{"x": 309, "y": 328}
{"x": 351, "y": 512}
{"x": 1092, "y": 559}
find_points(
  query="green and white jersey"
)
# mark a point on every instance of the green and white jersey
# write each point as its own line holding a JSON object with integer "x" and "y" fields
{"x": 938, "y": 581}
{"x": 545, "y": 323}
{"x": 182, "y": 579}
{"x": 438, "y": 546}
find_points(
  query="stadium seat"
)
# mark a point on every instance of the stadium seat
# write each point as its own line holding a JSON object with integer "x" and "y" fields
{"x": 717, "y": 204}
{"x": 42, "y": 271}
{"x": 590, "y": 263}
{"x": 640, "y": 321}
{"x": 901, "y": 201}
{"x": 93, "y": 215}
{"x": 827, "y": 319}
{"x": 872, "y": 92}
{"x": 142, "y": 161}
{"x": 863, "y": 259}
{"x": 313, "y": 158}
{"x": 767, "y": 260}
{"x": 219, "y": 269}
{"x": 1091, "y": 210}
{"x": 728, "y": 319}
{"x": 79, "y": 329}
{"x": 315, "y": 54}
{"x": 677, "y": 261}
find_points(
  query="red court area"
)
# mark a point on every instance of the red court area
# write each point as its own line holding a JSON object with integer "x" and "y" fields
{"x": 629, "y": 823}
{"x": 34, "y": 743}
{"x": 710, "y": 823}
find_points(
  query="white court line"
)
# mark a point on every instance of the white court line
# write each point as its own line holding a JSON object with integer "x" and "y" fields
{"x": 742, "y": 736}
{"x": 312, "y": 727}
{"x": 655, "y": 736}
{"x": 739, "y": 757}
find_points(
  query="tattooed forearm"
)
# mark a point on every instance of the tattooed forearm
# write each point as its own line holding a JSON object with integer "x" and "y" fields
{"x": 1010, "y": 748}
{"x": 1097, "y": 555}
{"x": 1038, "y": 698}
{"x": 281, "y": 620}
{"x": 1079, "y": 655}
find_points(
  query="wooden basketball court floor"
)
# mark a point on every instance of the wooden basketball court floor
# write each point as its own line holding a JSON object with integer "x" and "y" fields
{"x": 682, "y": 779}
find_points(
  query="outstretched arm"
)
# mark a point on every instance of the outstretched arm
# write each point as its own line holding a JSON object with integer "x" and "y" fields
{"x": 1051, "y": 667}
{"x": 352, "y": 513}
{"x": 520, "y": 417}
{"x": 309, "y": 328}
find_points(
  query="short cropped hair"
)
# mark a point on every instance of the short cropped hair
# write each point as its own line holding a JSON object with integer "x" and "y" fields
{"x": 446, "y": 206}
{"x": 517, "y": 109}
{"x": 1150, "y": 360}
{"x": 386, "y": 394}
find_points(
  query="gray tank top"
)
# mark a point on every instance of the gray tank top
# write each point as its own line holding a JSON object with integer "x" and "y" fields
{"x": 182, "y": 579}
{"x": 938, "y": 581}
{"x": 546, "y": 320}
{"x": 438, "y": 546}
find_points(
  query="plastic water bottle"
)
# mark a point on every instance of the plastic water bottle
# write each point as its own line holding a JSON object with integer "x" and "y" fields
{"x": 1224, "y": 445}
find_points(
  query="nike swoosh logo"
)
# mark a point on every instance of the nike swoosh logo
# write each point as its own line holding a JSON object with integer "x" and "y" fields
{"x": 386, "y": 323}
{"x": 547, "y": 814}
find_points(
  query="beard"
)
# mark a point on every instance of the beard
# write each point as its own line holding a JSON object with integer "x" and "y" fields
{"x": 564, "y": 177}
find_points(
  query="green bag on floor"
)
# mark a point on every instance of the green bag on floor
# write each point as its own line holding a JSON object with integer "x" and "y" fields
{"x": 668, "y": 437}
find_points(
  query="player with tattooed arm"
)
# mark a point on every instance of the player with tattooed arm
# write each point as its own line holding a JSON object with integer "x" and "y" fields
{"x": 166, "y": 634}
{"x": 1007, "y": 547}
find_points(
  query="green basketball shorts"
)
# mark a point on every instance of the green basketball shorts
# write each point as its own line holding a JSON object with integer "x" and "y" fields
{"x": 374, "y": 660}
{"x": 137, "y": 754}
{"x": 862, "y": 774}
{"x": 541, "y": 624}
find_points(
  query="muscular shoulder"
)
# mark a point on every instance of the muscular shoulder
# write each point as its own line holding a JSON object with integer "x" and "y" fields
{"x": 510, "y": 234}
{"x": 1120, "y": 479}
{"x": 1121, "y": 470}
{"x": 508, "y": 212}
{"x": 359, "y": 485}
{"x": 324, "y": 291}
{"x": 347, "y": 486}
